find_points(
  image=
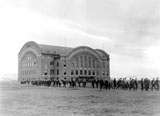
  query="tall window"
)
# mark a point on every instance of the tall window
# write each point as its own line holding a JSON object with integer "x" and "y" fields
{"x": 103, "y": 72}
{"x": 89, "y": 62}
{"x": 85, "y": 72}
{"x": 51, "y": 63}
{"x": 97, "y": 72}
{"x": 76, "y": 72}
{"x": 77, "y": 62}
{"x": 93, "y": 72}
{"x": 81, "y": 72}
{"x": 97, "y": 65}
{"x": 81, "y": 61}
{"x": 51, "y": 72}
{"x": 57, "y": 71}
{"x": 103, "y": 64}
{"x": 65, "y": 72}
{"x": 85, "y": 61}
{"x": 93, "y": 63}
{"x": 72, "y": 72}
{"x": 107, "y": 73}
{"x": 89, "y": 72}
{"x": 57, "y": 64}
{"x": 72, "y": 64}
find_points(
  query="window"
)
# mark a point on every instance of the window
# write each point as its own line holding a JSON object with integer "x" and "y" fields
{"x": 85, "y": 60}
{"x": 103, "y": 64}
{"x": 34, "y": 63}
{"x": 77, "y": 62}
{"x": 103, "y": 73}
{"x": 81, "y": 72}
{"x": 97, "y": 66}
{"x": 93, "y": 63}
{"x": 65, "y": 72}
{"x": 89, "y": 72}
{"x": 97, "y": 72}
{"x": 51, "y": 63}
{"x": 89, "y": 62}
{"x": 93, "y": 72}
{"x": 76, "y": 72}
{"x": 51, "y": 72}
{"x": 85, "y": 72}
{"x": 65, "y": 65}
{"x": 57, "y": 71}
{"x": 72, "y": 72}
{"x": 107, "y": 74}
{"x": 72, "y": 64}
{"x": 57, "y": 64}
{"x": 81, "y": 61}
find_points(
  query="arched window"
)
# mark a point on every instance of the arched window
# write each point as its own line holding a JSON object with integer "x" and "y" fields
{"x": 93, "y": 63}
{"x": 85, "y": 61}
{"x": 89, "y": 62}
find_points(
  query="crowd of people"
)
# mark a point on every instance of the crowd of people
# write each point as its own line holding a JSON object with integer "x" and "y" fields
{"x": 122, "y": 83}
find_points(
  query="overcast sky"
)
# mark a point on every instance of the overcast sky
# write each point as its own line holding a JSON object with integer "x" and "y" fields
{"x": 129, "y": 30}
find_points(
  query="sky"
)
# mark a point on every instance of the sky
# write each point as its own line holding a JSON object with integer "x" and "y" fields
{"x": 128, "y": 30}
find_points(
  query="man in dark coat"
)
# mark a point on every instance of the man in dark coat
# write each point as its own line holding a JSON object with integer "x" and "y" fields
{"x": 142, "y": 84}
{"x": 93, "y": 82}
{"x": 97, "y": 82}
{"x": 153, "y": 84}
{"x": 157, "y": 84}
{"x": 115, "y": 83}
{"x": 106, "y": 84}
{"x": 101, "y": 84}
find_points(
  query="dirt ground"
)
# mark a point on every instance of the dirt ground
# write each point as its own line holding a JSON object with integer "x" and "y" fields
{"x": 24, "y": 100}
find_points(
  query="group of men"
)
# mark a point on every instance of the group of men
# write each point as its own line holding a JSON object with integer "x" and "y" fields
{"x": 122, "y": 83}
{"x": 56, "y": 82}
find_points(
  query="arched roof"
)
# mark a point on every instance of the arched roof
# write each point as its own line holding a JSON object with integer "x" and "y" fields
{"x": 30, "y": 45}
{"x": 102, "y": 53}
{"x": 46, "y": 49}
{"x": 79, "y": 49}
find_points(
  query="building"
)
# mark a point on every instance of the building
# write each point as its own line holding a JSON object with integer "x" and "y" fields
{"x": 41, "y": 62}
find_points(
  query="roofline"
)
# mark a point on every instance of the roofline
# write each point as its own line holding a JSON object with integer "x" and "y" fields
{"x": 102, "y": 51}
{"x": 28, "y": 43}
{"x": 84, "y": 47}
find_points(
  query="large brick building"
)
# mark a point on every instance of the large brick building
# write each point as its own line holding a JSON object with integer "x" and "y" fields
{"x": 41, "y": 62}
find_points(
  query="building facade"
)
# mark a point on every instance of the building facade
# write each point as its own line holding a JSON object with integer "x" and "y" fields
{"x": 45, "y": 62}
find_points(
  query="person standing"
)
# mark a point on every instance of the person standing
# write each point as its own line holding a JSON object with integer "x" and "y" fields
{"x": 136, "y": 84}
{"x": 106, "y": 84}
{"x": 93, "y": 82}
{"x": 115, "y": 83}
{"x": 97, "y": 82}
{"x": 101, "y": 84}
{"x": 84, "y": 83}
{"x": 142, "y": 84}
{"x": 153, "y": 84}
{"x": 157, "y": 84}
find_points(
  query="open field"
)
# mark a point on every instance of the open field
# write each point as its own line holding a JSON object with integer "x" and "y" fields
{"x": 24, "y": 100}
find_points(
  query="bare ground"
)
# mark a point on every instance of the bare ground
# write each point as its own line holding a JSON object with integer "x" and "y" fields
{"x": 24, "y": 100}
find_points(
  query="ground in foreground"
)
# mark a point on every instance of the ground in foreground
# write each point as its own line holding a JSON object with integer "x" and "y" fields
{"x": 23, "y": 100}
